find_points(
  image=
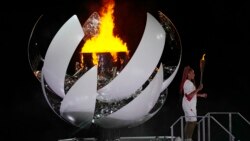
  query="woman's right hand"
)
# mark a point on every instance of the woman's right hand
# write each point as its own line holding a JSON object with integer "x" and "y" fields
{"x": 200, "y": 87}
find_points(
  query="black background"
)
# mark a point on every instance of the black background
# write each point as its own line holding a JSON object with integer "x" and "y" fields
{"x": 218, "y": 28}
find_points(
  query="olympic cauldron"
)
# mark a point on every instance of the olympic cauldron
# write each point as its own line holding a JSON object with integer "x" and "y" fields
{"x": 112, "y": 93}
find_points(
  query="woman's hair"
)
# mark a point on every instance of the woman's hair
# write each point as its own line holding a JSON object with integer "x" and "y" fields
{"x": 186, "y": 70}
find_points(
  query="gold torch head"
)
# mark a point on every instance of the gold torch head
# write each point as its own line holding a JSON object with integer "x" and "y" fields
{"x": 202, "y": 62}
{"x": 202, "y": 65}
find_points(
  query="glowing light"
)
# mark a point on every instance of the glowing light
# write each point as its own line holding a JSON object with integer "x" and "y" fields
{"x": 71, "y": 118}
{"x": 105, "y": 41}
{"x": 202, "y": 65}
{"x": 203, "y": 56}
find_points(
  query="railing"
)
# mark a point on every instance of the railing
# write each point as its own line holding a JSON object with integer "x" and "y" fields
{"x": 230, "y": 121}
{"x": 202, "y": 126}
{"x": 231, "y": 136}
{"x": 181, "y": 120}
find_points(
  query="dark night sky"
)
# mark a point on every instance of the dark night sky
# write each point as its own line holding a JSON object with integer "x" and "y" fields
{"x": 218, "y": 28}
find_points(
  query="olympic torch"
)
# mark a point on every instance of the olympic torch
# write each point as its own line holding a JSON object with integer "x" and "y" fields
{"x": 202, "y": 65}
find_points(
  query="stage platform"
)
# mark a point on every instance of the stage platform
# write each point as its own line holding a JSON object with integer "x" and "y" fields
{"x": 139, "y": 138}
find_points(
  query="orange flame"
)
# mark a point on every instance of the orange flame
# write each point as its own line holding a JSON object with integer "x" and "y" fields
{"x": 105, "y": 41}
{"x": 202, "y": 65}
{"x": 203, "y": 57}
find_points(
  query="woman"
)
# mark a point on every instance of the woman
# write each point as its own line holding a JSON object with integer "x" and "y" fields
{"x": 189, "y": 101}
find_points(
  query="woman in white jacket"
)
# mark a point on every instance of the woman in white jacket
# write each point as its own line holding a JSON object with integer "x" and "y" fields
{"x": 189, "y": 101}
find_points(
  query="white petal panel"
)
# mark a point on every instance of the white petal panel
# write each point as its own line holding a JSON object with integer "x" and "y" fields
{"x": 78, "y": 105}
{"x": 142, "y": 120}
{"x": 59, "y": 53}
{"x": 171, "y": 77}
{"x": 141, "y": 65}
{"x": 44, "y": 89}
{"x": 139, "y": 108}
{"x": 145, "y": 118}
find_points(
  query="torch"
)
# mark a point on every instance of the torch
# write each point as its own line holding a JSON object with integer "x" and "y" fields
{"x": 202, "y": 65}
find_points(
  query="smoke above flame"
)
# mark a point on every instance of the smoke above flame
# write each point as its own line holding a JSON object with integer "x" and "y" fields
{"x": 105, "y": 41}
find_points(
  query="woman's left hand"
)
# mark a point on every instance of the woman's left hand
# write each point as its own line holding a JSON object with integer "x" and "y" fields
{"x": 204, "y": 95}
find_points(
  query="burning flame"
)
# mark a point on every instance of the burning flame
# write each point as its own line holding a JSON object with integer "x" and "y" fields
{"x": 202, "y": 65}
{"x": 203, "y": 57}
{"x": 105, "y": 41}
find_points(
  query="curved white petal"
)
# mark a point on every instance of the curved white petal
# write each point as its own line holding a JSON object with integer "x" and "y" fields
{"x": 43, "y": 83}
{"x": 141, "y": 65}
{"x": 171, "y": 77}
{"x": 139, "y": 108}
{"x": 142, "y": 120}
{"x": 78, "y": 105}
{"x": 59, "y": 53}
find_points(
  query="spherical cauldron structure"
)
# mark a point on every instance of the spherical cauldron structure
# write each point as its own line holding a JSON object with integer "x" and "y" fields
{"x": 108, "y": 94}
